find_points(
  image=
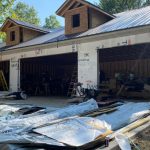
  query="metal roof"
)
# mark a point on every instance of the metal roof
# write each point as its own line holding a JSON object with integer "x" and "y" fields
{"x": 124, "y": 20}
{"x": 94, "y": 6}
{"x": 27, "y": 25}
{"x": 32, "y": 26}
{"x": 2, "y": 45}
{"x": 41, "y": 39}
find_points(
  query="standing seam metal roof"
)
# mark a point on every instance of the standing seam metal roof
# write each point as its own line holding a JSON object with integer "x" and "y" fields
{"x": 124, "y": 20}
{"x": 29, "y": 25}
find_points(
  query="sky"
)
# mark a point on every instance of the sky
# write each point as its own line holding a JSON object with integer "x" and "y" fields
{"x": 46, "y": 8}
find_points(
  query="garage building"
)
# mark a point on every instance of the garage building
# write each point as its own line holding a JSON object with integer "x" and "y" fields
{"x": 44, "y": 62}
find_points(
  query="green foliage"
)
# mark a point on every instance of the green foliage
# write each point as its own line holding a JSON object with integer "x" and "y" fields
{"x": 51, "y": 22}
{"x": 5, "y": 11}
{"x": 20, "y": 11}
{"x": 147, "y": 3}
{"x": 26, "y": 13}
{"x": 2, "y": 36}
{"x": 116, "y": 6}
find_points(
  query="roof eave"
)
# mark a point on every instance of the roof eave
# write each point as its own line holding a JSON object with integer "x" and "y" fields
{"x": 9, "y": 19}
{"x": 59, "y": 13}
{"x": 3, "y": 25}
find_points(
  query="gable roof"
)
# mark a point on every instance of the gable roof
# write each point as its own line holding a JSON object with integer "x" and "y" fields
{"x": 25, "y": 25}
{"x": 42, "y": 39}
{"x": 125, "y": 20}
{"x": 68, "y": 3}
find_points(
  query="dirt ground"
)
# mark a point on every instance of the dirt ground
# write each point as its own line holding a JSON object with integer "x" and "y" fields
{"x": 143, "y": 140}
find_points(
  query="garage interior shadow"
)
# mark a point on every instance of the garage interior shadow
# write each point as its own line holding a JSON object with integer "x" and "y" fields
{"x": 48, "y": 75}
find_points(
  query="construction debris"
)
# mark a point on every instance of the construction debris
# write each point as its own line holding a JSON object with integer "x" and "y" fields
{"x": 69, "y": 131}
{"x": 76, "y": 126}
{"x": 20, "y": 95}
{"x": 124, "y": 115}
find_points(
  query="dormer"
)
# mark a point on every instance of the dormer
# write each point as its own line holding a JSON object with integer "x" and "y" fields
{"x": 19, "y": 31}
{"x": 81, "y": 15}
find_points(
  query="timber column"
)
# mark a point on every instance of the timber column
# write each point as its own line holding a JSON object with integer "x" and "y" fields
{"x": 14, "y": 79}
{"x": 88, "y": 65}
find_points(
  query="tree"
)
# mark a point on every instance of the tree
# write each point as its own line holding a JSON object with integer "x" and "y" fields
{"x": 24, "y": 12}
{"x": 51, "y": 22}
{"x": 147, "y": 3}
{"x": 5, "y": 11}
{"x": 116, "y": 6}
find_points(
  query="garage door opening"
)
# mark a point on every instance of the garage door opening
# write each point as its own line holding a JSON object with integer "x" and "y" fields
{"x": 4, "y": 67}
{"x": 125, "y": 60}
{"x": 49, "y": 75}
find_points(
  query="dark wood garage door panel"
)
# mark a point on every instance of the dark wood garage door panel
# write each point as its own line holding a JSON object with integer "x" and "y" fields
{"x": 139, "y": 67}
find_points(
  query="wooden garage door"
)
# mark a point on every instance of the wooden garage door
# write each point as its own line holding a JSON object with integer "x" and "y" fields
{"x": 139, "y": 67}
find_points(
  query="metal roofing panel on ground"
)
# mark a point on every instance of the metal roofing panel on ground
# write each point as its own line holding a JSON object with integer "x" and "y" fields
{"x": 2, "y": 45}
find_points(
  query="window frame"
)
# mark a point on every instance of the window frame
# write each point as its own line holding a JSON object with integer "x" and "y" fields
{"x": 76, "y": 21}
{"x": 12, "y": 36}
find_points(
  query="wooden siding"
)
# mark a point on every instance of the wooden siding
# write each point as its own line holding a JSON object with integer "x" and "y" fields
{"x": 30, "y": 34}
{"x": 27, "y": 34}
{"x": 139, "y": 67}
{"x": 17, "y": 36}
{"x": 127, "y": 59}
{"x": 83, "y": 11}
{"x": 96, "y": 18}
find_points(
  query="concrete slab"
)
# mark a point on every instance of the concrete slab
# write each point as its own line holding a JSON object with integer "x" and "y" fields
{"x": 57, "y": 102}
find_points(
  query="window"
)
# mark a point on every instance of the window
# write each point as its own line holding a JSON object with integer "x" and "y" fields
{"x": 12, "y": 36}
{"x": 21, "y": 35}
{"x": 76, "y": 20}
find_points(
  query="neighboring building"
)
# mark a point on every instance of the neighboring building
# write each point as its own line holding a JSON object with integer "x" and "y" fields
{"x": 92, "y": 40}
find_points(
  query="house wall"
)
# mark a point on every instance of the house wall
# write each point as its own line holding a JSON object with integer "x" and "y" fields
{"x": 17, "y": 36}
{"x": 83, "y": 11}
{"x": 27, "y": 35}
{"x": 96, "y": 18}
{"x": 87, "y": 48}
{"x": 30, "y": 34}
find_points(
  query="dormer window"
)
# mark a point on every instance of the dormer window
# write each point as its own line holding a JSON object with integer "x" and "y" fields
{"x": 76, "y": 20}
{"x": 80, "y": 16}
{"x": 12, "y": 36}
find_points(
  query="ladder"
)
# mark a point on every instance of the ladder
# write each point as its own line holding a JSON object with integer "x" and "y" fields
{"x": 3, "y": 82}
{"x": 73, "y": 82}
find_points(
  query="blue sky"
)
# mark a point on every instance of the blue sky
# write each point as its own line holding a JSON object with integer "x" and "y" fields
{"x": 46, "y": 8}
